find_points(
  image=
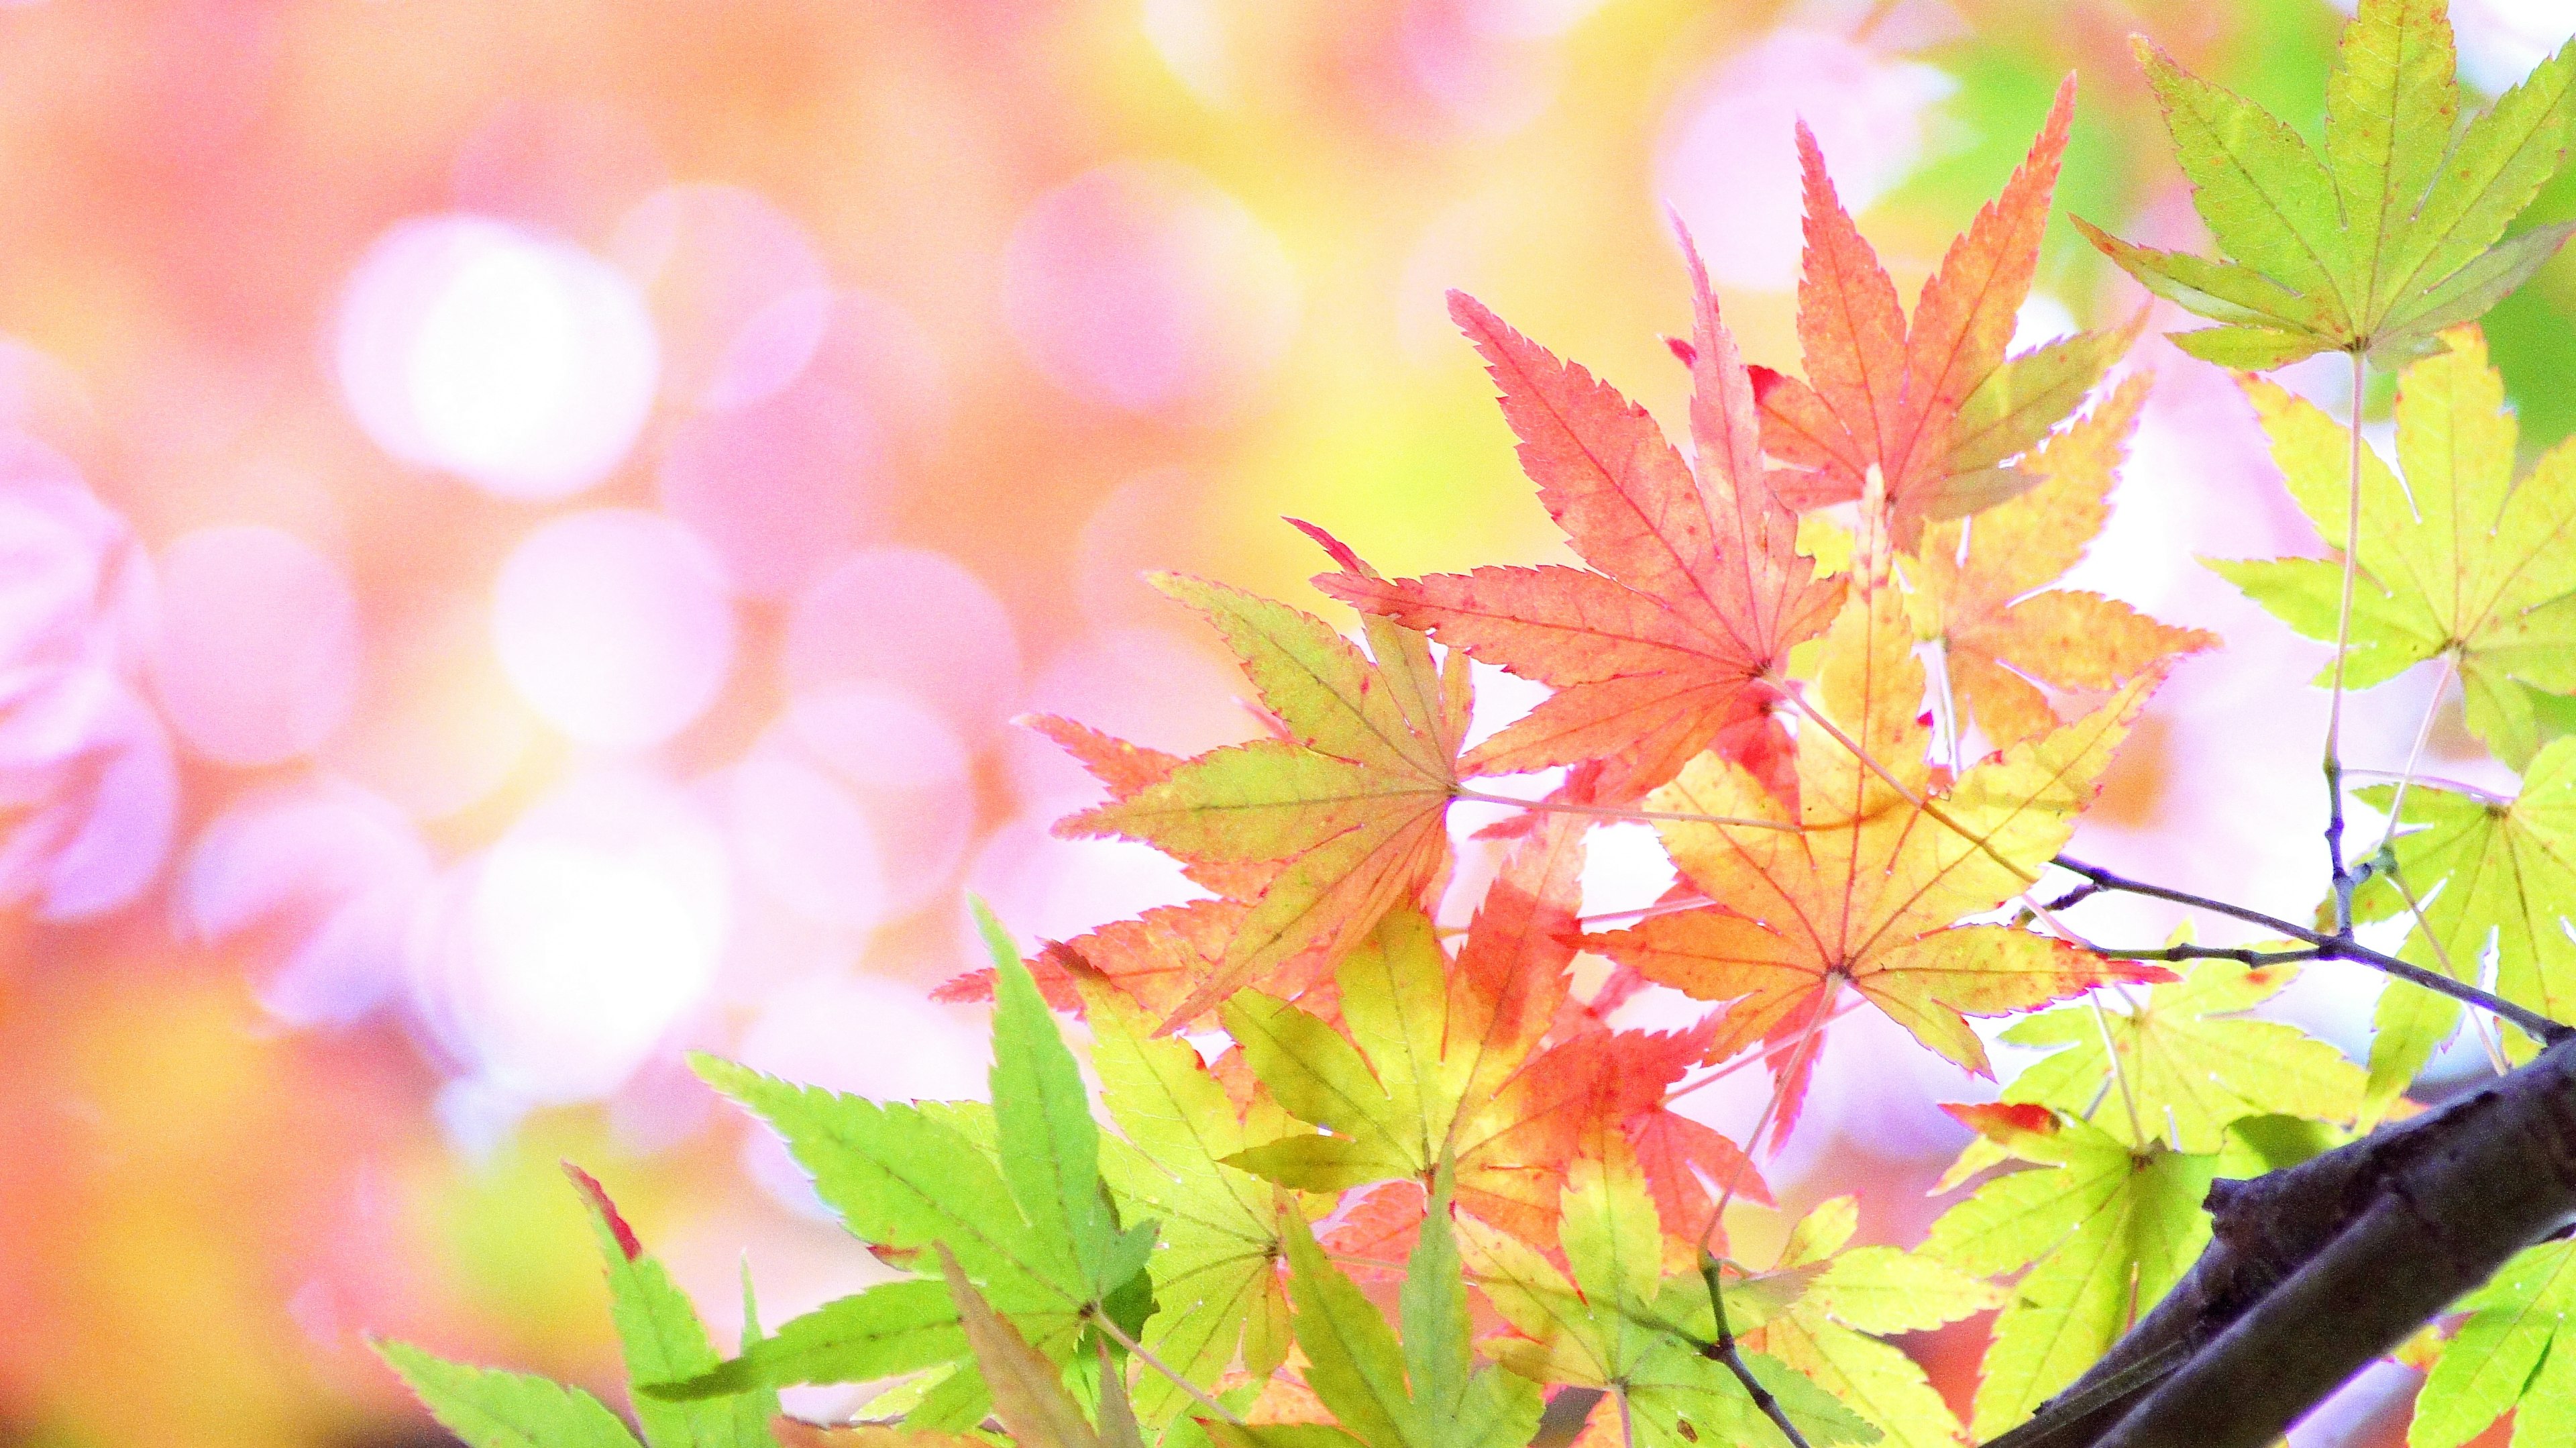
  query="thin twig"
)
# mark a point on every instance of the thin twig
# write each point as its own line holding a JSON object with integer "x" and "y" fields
{"x": 1627, "y": 1420}
{"x": 2330, "y": 947}
{"x": 1615, "y": 812}
{"x": 1117, "y": 1335}
{"x": 2343, "y": 879}
{"x": 2242, "y": 955}
{"x": 1724, "y": 1350}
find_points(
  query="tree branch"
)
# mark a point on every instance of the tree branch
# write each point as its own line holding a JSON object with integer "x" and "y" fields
{"x": 2333, "y": 947}
{"x": 2314, "y": 1270}
{"x": 1725, "y": 1351}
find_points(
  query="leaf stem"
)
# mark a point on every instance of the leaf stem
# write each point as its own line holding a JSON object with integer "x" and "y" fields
{"x": 2119, "y": 1077}
{"x": 2331, "y": 947}
{"x": 1771, "y": 1108}
{"x": 2415, "y": 755}
{"x": 2386, "y": 866}
{"x": 1725, "y": 1351}
{"x": 1616, "y": 812}
{"x": 1118, "y": 1335}
{"x": 2344, "y": 881}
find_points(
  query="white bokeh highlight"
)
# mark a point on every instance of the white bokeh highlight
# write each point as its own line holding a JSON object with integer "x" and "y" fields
{"x": 520, "y": 363}
{"x": 615, "y": 626}
{"x": 555, "y": 963}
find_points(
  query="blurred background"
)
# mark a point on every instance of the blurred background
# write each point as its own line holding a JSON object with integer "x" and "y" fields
{"x": 523, "y": 526}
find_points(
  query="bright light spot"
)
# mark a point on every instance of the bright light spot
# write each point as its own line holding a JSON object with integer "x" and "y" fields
{"x": 911, "y": 617}
{"x": 258, "y": 657}
{"x": 614, "y": 625}
{"x": 1140, "y": 285}
{"x": 567, "y": 952}
{"x": 324, "y": 880}
{"x": 805, "y": 841}
{"x": 524, "y": 365}
{"x": 1729, "y": 157}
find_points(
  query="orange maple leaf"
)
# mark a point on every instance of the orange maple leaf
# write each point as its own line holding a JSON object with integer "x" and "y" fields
{"x": 1700, "y": 590}
{"x": 1867, "y": 891}
{"x": 1343, "y": 816}
{"x": 1984, "y": 605}
{"x": 1934, "y": 407}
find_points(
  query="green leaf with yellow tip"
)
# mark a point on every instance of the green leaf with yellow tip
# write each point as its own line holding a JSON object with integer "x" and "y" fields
{"x": 2459, "y": 560}
{"x": 1214, "y": 1267}
{"x": 2394, "y": 232}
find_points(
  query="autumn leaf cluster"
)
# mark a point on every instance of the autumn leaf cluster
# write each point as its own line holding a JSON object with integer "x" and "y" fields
{"x": 1371, "y": 1159}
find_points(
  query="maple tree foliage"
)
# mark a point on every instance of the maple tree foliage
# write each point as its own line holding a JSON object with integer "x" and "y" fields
{"x": 1407, "y": 1180}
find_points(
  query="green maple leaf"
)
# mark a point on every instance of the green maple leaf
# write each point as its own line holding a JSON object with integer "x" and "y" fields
{"x": 2190, "y": 1065}
{"x": 2458, "y": 560}
{"x": 2493, "y": 876}
{"x": 663, "y": 1342}
{"x": 1015, "y": 1196}
{"x": 1427, "y": 1392}
{"x": 1215, "y": 1269}
{"x": 2103, "y": 1230}
{"x": 1624, "y": 1327}
{"x": 2388, "y": 237}
{"x": 1028, "y": 1389}
{"x": 2517, "y": 1351}
{"x": 505, "y": 1410}
{"x": 1829, "y": 1332}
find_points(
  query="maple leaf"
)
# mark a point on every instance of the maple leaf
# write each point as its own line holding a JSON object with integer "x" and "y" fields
{"x": 1446, "y": 1059}
{"x": 1350, "y": 805}
{"x": 658, "y": 1333}
{"x": 1215, "y": 1269}
{"x": 2516, "y": 1352}
{"x": 1426, "y": 1393}
{"x": 1866, "y": 890}
{"x": 2389, "y": 237}
{"x": 1621, "y": 1326}
{"x": 1829, "y": 1331}
{"x": 1699, "y": 590}
{"x": 1987, "y": 603}
{"x": 2460, "y": 560}
{"x": 2493, "y": 876}
{"x": 1014, "y": 1194}
{"x": 2182, "y": 1065}
{"x": 2104, "y": 1231}
{"x": 1934, "y": 409}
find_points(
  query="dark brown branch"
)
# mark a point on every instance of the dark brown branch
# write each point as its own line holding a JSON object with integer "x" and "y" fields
{"x": 2315, "y": 1270}
{"x": 1724, "y": 1350}
{"x": 2332, "y": 947}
